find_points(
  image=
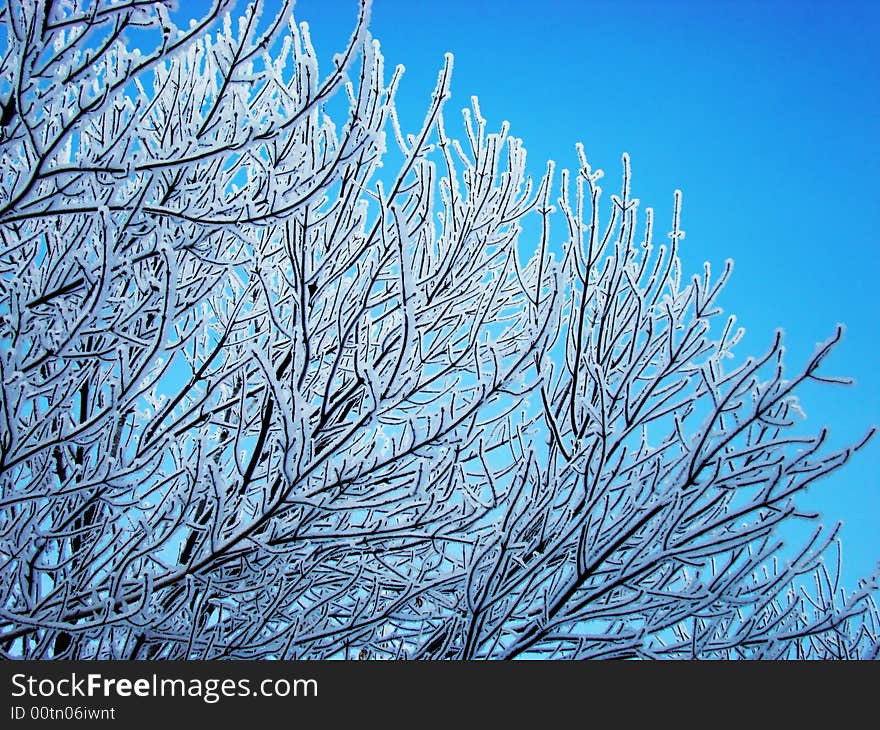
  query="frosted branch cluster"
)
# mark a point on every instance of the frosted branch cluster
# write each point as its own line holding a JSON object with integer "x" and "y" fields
{"x": 276, "y": 385}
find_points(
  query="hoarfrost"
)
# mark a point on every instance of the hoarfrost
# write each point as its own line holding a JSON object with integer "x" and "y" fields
{"x": 259, "y": 402}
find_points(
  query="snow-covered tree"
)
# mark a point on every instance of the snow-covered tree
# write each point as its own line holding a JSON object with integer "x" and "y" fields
{"x": 263, "y": 397}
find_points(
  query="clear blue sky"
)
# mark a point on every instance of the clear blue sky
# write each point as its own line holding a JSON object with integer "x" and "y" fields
{"x": 765, "y": 114}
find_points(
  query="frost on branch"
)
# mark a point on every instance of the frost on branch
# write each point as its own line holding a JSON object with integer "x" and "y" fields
{"x": 263, "y": 399}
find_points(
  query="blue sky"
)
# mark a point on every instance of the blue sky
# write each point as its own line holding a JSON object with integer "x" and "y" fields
{"x": 765, "y": 115}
